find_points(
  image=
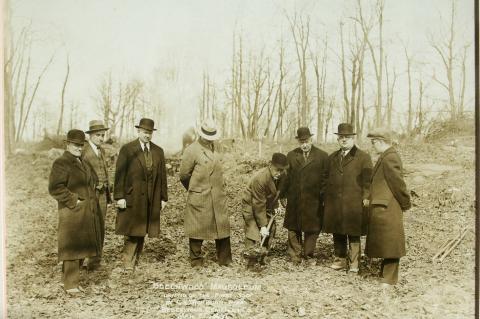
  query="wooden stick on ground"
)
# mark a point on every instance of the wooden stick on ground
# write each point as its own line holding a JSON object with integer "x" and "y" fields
{"x": 462, "y": 235}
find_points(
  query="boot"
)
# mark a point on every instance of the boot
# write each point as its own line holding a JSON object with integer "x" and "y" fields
{"x": 354, "y": 256}
{"x": 339, "y": 263}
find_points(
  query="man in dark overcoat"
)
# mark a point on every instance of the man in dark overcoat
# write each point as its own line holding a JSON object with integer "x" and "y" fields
{"x": 206, "y": 215}
{"x": 389, "y": 198}
{"x": 259, "y": 200}
{"x": 140, "y": 191}
{"x": 304, "y": 189}
{"x": 349, "y": 173}
{"x": 72, "y": 183}
{"x": 94, "y": 153}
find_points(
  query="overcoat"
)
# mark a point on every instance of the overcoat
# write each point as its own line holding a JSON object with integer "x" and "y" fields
{"x": 388, "y": 199}
{"x": 131, "y": 184}
{"x": 79, "y": 224}
{"x": 201, "y": 173}
{"x": 348, "y": 185}
{"x": 304, "y": 189}
{"x": 259, "y": 197}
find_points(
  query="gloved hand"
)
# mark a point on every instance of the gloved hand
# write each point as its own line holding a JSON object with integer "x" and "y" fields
{"x": 366, "y": 203}
{"x": 264, "y": 232}
{"x": 122, "y": 203}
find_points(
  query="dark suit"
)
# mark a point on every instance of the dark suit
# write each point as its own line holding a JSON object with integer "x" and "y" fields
{"x": 79, "y": 223}
{"x": 99, "y": 165}
{"x": 143, "y": 187}
{"x": 304, "y": 189}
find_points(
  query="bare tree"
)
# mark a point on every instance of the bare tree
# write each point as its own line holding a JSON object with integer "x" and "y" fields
{"x": 320, "y": 76}
{"x": 409, "y": 77}
{"x": 62, "y": 101}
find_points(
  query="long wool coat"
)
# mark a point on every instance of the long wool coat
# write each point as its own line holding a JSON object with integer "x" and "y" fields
{"x": 79, "y": 224}
{"x": 348, "y": 185}
{"x": 304, "y": 189}
{"x": 131, "y": 184}
{"x": 259, "y": 197}
{"x": 201, "y": 173}
{"x": 388, "y": 199}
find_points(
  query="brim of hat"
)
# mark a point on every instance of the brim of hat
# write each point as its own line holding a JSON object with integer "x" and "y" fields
{"x": 345, "y": 134}
{"x": 301, "y": 137}
{"x": 146, "y": 128}
{"x": 279, "y": 166}
{"x": 74, "y": 142}
{"x": 97, "y": 130}
{"x": 214, "y": 137}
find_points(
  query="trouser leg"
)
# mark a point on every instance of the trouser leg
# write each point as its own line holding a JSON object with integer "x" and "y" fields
{"x": 196, "y": 256}
{"x": 389, "y": 269}
{"x": 71, "y": 274}
{"x": 131, "y": 250}
{"x": 340, "y": 245}
{"x": 310, "y": 243}
{"x": 224, "y": 251}
{"x": 354, "y": 251}
{"x": 294, "y": 247}
{"x": 94, "y": 262}
{"x": 249, "y": 256}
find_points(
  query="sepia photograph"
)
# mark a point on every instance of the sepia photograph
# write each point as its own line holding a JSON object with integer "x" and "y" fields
{"x": 239, "y": 159}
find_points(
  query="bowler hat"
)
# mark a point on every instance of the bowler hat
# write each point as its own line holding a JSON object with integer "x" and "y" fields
{"x": 345, "y": 129}
{"x": 208, "y": 130}
{"x": 76, "y": 136}
{"x": 146, "y": 124}
{"x": 279, "y": 160}
{"x": 95, "y": 126}
{"x": 303, "y": 133}
{"x": 380, "y": 134}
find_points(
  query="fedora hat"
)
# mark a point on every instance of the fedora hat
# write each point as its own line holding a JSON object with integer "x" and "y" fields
{"x": 303, "y": 133}
{"x": 75, "y": 136}
{"x": 95, "y": 126}
{"x": 208, "y": 130}
{"x": 146, "y": 124}
{"x": 279, "y": 160}
{"x": 345, "y": 129}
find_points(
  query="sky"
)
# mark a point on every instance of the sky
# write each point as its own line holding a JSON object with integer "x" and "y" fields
{"x": 133, "y": 39}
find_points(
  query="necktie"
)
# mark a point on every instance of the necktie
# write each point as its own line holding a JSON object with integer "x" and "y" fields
{"x": 305, "y": 155}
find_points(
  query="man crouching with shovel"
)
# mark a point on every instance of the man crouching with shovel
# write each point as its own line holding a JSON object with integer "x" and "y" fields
{"x": 260, "y": 205}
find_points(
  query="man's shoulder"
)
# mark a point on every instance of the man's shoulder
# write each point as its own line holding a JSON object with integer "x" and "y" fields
{"x": 156, "y": 147}
{"x": 62, "y": 161}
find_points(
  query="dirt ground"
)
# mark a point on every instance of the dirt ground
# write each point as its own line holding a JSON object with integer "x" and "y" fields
{"x": 164, "y": 285}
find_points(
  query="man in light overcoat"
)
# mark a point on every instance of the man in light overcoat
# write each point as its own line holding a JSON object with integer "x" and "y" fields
{"x": 72, "y": 183}
{"x": 304, "y": 189}
{"x": 206, "y": 216}
{"x": 140, "y": 191}
{"x": 389, "y": 198}
{"x": 348, "y": 189}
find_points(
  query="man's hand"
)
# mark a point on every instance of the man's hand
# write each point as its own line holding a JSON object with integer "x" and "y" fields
{"x": 283, "y": 202}
{"x": 164, "y": 204}
{"x": 264, "y": 232}
{"x": 121, "y": 203}
{"x": 366, "y": 203}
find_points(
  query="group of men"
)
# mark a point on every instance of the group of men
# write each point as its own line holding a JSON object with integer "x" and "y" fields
{"x": 339, "y": 194}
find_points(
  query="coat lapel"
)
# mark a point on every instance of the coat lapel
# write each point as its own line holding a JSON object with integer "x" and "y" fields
{"x": 309, "y": 158}
{"x": 350, "y": 156}
{"x": 140, "y": 156}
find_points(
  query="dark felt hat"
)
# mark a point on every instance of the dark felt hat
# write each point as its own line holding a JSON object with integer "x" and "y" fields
{"x": 95, "y": 126}
{"x": 303, "y": 133}
{"x": 76, "y": 136}
{"x": 146, "y": 124}
{"x": 345, "y": 129}
{"x": 279, "y": 160}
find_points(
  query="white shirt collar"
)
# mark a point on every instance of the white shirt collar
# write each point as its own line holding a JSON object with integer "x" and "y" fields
{"x": 142, "y": 145}
{"x": 94, "y": 147}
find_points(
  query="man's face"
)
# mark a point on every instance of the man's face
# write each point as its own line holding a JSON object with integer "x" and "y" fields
{"x": 97, "y": 138}
{"x": 277, "y": 172}
{"x": 204, "y": 140}
{"x": 144, "y": 135}
{"x": 74, "y": 149}
{"x": 346, "y": 142}
{"x": 305, "y": 144}
{"x": 377, "y": 146}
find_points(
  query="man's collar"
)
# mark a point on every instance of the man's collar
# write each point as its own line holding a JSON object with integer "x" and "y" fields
{"x": 142, "y": 145}
{"x": 94, "y": 147}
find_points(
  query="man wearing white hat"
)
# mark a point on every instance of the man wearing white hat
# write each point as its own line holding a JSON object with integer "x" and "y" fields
{"x": 95, "y": 155}
{"x": 206, "y": 216}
